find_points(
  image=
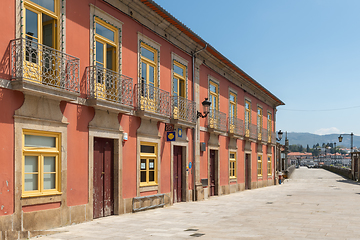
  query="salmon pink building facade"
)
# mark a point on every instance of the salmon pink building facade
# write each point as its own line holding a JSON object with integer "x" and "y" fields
{"x": 101, "y": 108}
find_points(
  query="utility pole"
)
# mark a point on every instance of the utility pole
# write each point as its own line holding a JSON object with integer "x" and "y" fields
{"x": 286, "y": 151}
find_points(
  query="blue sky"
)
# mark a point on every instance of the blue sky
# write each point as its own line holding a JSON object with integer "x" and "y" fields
{"x": 306, "y": 52}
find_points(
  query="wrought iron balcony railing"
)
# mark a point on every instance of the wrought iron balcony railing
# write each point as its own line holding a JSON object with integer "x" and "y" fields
{"x": 41, "y": 64}
{"x": 217, "y": 120}
{"x": 152, "y": 99}
{"x": 250, "y": 130}
{"x": 235, "y": 126}
{"x": 264, "y": 135}
{"x": 109, "y": 85}
{"x": 183, "y": 109}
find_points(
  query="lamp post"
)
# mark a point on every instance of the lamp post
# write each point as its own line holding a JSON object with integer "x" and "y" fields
{"x": 206, "y": 106}
{"x": 351, "y": 150}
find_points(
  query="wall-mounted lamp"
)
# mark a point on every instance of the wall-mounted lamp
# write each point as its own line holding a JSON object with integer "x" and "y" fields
{"x": 280, "y": 135}
{"x": 206, "y": 105}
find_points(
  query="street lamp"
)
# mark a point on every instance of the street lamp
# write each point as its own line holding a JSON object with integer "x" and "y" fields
{"x": 206, "y": 105}
{"x": 352, "y": 141}
{"x": 280, "y": 135}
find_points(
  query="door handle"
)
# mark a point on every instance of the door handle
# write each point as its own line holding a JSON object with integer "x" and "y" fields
{"x": 103, "y": 173}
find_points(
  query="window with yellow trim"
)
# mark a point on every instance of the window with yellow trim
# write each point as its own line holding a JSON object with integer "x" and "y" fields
{"x": 41, "y": 163}
{"x": 247, "y": 117}
{"x": 232, "y": 111}
{"x": 259, "y": 122}
{"x": 106, "y": 47}
{"x": 259, "y": 165}
{"x": 41, "y": 24}
{"x": 269, "y": 126}
{"x": 269, "y": 172}
{"x": 179, "y": 105}
{"x": 214, "y": 95}
{"x": 148, "y": 164}
{"x": 232, "y": 165}
{"x": 148, "y": 58}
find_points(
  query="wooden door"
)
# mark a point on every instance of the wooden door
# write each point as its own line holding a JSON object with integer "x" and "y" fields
{"x": 177, "y": 178}
{"x": 212, "y": 173}
{"x": 247, "y": 171}
{"x": 103, "y": 194}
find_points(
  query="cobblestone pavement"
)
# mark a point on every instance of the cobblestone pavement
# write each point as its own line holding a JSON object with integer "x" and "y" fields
{"x": 314, "y": 204}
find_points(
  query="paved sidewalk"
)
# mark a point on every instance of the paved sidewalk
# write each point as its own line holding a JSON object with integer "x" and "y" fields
{"x": 314, "y": 204}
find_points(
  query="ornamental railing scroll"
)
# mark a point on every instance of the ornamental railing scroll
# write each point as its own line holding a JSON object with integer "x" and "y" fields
{"x": 217, "y": 120}
{"x": 152, "y": 99}
{"x": 183, "y": 109}
{"x": 235, "y": 126}
{"x": 109, "y": 85}
{"x": 264, "y": 135}
{"x": 34, "y": 62}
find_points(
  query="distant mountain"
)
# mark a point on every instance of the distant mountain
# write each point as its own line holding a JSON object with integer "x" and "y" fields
{"x": 312, "y": 139}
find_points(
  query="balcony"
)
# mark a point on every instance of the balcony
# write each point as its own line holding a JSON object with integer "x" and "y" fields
{"x": 216, "y": 121}
{"x": 183, "y": 111}
{"x": 152, "y": 102}
{"x": 250, "y": 131}
{"x": 109, "y": 90}
{"x": 235, "y": 127}
{"x": 43, "y": 71}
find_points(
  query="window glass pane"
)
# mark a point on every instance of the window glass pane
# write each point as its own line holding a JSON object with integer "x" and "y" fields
{"x": 48, "y": 31}
{"x": 49, "y": 181}
{"x": 31, "y": 24}
{"x": 48, "y": 4}
{"x": 49, "y": 164}
{"x": 105, "y": 32}
{"x": 143, "y": 71}
{"x": 178, "y": 70}
{"x": 151, "y": 176}
{"x": 40, "y": 141}
{"x": 148, "y": 54}
{"x": 143, "y": 164}
{"x": 232, "y": 155}
{"x": 100, "y": 52}
{"x": 147, "y": 149}
{"x": 151, "y": 164}
{"x": 151, "y": 75}
{"x": 31, "y": 164}
{"x": 143, "y": 176}
{"x": 31, "y": 182}
{"x": 212, "y": 88}
{"x": 110, "y": 52}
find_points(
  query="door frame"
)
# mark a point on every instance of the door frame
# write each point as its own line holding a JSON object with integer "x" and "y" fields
{"x": 247, "y": 174}
{"x": 97, "y": 131}
{"x": 217, "y": 170}
{"x": 185, "y": 193}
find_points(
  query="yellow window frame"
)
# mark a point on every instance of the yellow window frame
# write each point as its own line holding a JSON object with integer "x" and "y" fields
{"x": 214, "y": 95}
{"x": 149, "y": 62}
{"x": 39, "y": 10}
{"x": 105, "y": 41}
{"x": 269, "y": 166}
{"x": 40, "y": 153}
{"x": 269, "y": 126}
{"x": 259, "y": 166}
{"x": 180, "y": 78}
{"x": 247, "y": 117}
{"x": 148, "y": 156}
{"x": 232, "y": 166}
{"x": 259, "y": 121}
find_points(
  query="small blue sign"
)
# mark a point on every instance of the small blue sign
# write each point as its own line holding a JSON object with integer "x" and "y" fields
{"x": 190, "y": 165}
{"x": 170, "y": 136}
{"x": 179, "y": 132}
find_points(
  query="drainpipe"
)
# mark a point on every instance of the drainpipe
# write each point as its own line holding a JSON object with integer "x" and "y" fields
{"x": 196, "y": 127}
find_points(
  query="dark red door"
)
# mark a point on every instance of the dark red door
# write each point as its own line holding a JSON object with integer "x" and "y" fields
{"x": 212, "y": 172}
{"x": 103, "y": 177}
{"x": 177, "y": 173}
{"x": 247, "y": 171}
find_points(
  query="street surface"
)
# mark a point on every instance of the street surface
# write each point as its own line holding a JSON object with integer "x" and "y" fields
{"x": 314, "y": 204}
